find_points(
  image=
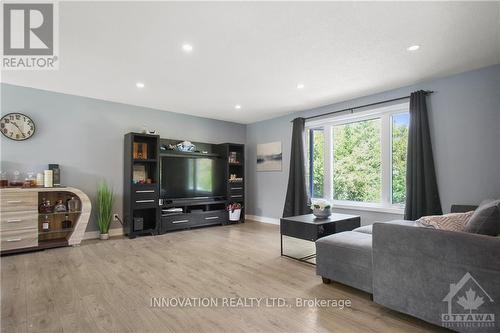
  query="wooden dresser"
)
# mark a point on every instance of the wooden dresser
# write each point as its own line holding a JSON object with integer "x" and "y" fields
{"x": 20, "y": 221}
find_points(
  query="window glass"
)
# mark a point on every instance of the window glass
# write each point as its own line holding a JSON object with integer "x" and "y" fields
{"x": 317, "y": 162}
{"x": 400, "y": 124}
{"x": 357, "y": 161}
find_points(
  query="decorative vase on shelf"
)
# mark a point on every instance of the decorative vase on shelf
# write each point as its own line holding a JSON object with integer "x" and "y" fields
{"x": 73, "y": 204}
{"x": 322, "y": 209}
{"x": 234, "y": 210}
{"x": 322, "y": 213}
{"x": 45, "y": 207}
{"x": 60, "y": 207}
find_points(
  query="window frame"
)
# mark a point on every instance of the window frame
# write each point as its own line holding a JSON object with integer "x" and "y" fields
{"x": 385, "y": 114}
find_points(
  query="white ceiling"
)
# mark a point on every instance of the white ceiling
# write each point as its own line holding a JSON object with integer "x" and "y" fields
{"x": 255, "y": 53}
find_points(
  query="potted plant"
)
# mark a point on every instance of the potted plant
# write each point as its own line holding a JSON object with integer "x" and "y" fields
{"x": 322, "y": 209}
{"x": 234, "y": 210}
{"x": 105, "y": 198}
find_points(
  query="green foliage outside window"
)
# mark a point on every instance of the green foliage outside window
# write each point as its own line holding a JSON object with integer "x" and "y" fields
{"x": 318, "y": 163}
{"x": 356, "y": 169}
{"x": 399, "y": 148}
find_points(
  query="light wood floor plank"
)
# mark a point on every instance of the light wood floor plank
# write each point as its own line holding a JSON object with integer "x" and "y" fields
{"x": 107, "y": 286}
{"x": 13, "y": 294}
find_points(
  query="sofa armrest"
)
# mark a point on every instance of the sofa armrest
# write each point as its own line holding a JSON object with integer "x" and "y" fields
{"x": 414, "y": 267}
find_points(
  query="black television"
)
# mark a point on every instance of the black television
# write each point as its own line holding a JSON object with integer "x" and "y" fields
{"x": 189, "y": 177}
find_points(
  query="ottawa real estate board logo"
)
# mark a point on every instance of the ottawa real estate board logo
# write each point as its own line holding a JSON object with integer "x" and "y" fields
{"x": 30, "y": 36}
{"x": 468, "y": 305}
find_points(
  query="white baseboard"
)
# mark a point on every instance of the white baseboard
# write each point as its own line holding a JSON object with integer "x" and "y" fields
{"x": 263, "y": 219}
{"x": 95, "y": 234}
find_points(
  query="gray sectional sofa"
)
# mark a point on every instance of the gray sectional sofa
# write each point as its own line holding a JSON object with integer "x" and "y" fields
{"x": 419, "y": 271}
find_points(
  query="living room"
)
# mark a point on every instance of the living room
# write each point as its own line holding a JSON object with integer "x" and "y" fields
{"x": 250, "y": 166}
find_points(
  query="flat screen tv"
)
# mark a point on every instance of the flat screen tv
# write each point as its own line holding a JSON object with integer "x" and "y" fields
{"x": 191, "y": 177}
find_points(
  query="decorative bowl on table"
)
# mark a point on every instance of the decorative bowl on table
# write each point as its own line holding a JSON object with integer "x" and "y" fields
{"x": 322, "y": 213}
{"x": 322, "y": 209}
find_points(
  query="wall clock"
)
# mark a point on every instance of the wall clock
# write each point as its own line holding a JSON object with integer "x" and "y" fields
{"x": 17, "y": 126}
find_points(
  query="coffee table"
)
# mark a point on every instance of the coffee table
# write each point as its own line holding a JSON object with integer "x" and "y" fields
{"x": 309, "y": 228}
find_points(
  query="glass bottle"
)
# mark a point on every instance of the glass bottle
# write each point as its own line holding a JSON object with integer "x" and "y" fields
{"x": 41, "y": 207}
{"x": 47, "y": 207}
{"x": 60, "y": 207}
{"x": 29, "y": 181}
{"x": 4, "y": 182}
{"x": 31, "y": 178}
{"x": 66, "y": 224}
{"x": 16, "y": 180}
{"x": 73, "y": 204}
{"x": 46, "y": 223}
{"x": 39, "y": 179}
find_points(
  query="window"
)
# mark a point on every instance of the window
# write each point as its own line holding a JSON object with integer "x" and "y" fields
{"x": 360, "y": 159}
{"x": 316, "y": 144}
{"x": 357, "y": 161}
{"x": 399, "y": 144}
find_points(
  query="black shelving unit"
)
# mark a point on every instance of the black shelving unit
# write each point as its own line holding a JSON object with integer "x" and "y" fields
{"x": 235, "y": 157}
{"x": 141, "y": 209}
{"x": 146, "y": 212}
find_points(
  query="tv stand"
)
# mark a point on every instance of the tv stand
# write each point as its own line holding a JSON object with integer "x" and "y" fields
{"x": 193, "y": 213}
{"x": 145, "y": 213}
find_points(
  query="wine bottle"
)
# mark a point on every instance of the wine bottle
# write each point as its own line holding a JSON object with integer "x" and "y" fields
{"x": 46, "y": 224}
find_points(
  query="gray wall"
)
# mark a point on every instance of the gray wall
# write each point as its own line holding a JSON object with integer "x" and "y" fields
{"x": 85, "y": 136}
{"x": 465, "y": 128}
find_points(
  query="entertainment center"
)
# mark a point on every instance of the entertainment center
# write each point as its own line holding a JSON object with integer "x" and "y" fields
{"x": 167, "y": 189}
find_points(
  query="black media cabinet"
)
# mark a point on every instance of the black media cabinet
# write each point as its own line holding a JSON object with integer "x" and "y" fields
{"x": 144, "y": 210}
{"x": 196, "y": 213}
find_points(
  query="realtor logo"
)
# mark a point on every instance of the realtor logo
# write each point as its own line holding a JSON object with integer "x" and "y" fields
{"x": 468, "y": 305}
{"x": 29, "y": 36}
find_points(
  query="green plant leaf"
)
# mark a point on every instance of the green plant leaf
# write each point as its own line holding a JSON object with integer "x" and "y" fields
{"x": 105, "y": 199}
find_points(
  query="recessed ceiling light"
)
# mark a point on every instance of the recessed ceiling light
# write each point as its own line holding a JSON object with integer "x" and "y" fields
{"x": 413, "y": 48}
{"x": 300, "y": 86}
{"x": 187, "y": 47}
{"x": 237, "y": 106}
{"x": 139, "y": 85}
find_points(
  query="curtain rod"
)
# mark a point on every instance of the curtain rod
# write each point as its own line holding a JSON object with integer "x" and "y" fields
{"x": 363, "y": 106}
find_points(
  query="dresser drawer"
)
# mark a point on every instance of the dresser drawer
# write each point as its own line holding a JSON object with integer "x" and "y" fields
{"x": 139, "y": 203}
{"x": 144, "y": 189}
{"x": 18, "y": 220}
{"x": 18, "y": 201}
{"x": 177, "y": 222}
{"x": 236, "y": 188}
{"x": 236, "y": 197}
{"x": 212, "y": 217}
{"x": 18, "y": 239}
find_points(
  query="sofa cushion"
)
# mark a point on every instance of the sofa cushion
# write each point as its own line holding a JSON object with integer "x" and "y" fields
{"x": 353, "y": 246}
{"x": 346, "y": 257}
{"x": 486, "y": 219}
{"x": 367, "y": 229}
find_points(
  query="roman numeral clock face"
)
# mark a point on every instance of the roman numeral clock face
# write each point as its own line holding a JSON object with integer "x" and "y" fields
{"x": 17, "y": 126}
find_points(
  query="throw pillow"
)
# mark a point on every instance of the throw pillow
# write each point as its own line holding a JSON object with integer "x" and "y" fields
{"x": 452, "y": 221}
{"x": 486, "y": 219}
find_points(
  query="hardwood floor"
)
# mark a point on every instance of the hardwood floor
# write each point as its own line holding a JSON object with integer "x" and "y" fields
{"x": 107, "y": 286}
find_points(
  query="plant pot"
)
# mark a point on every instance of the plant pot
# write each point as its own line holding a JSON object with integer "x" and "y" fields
{"x": 104, "y": 236}
{"x": 234, "y": 215}
{"x": 322, "y": 213}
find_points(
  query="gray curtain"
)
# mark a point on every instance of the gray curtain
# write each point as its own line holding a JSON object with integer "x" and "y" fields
{"x": 297, "y": 199}
{"x": 422, "y": 195}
